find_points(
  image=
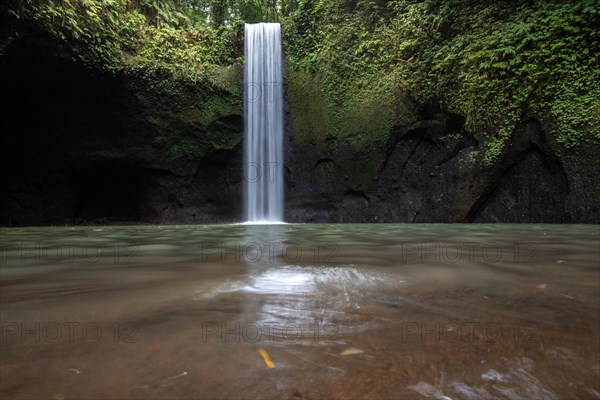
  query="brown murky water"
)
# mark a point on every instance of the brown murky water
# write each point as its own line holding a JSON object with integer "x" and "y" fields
{"x": 301, "y": 312}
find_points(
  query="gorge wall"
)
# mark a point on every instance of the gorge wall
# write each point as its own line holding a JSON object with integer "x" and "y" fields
{"x": 428, "y": 175}
{"x": 83, "y": 146}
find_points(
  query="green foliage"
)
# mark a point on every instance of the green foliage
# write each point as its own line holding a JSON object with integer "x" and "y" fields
{"x": 541, "y": 56}
{"x": 301, "y": 35}
{"x": 488, "y": 61}
{"x": 178, "y": 63}
{"x": 471, "y": 158}
{"x": 309, "y": 108}
{"x": 351, "y": 63}
{"x": 115, "y": 34}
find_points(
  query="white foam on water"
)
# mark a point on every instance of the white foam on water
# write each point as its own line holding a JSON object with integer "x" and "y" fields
{"x": 517, "y": 383}
{"x": 302, "y": 295}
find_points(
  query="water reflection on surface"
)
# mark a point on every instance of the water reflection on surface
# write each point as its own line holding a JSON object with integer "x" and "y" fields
{"x": 343, "y": 311}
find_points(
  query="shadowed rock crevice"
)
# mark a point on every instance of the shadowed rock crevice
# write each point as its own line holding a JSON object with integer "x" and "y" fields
{"x": 528, "y": 183}
{"x": 109, "y": 192}
{"x": 518, "y": 194}
{"x": 350, "y": 193}
{"x": 324, "y": 163}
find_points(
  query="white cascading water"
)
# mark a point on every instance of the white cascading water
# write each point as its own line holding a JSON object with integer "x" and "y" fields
{"x": 263, "y": 107}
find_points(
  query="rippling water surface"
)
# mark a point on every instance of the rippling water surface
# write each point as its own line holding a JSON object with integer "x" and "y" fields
{"x": 301, "y": 312}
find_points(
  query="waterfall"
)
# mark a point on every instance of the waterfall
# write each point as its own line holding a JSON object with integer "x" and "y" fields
{"x": 263, "y": 109}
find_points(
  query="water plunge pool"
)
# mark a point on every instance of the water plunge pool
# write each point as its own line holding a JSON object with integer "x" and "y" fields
{"x": 300, "y": 311}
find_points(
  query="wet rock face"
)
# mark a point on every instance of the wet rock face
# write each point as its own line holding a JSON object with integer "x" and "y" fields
{"x": 79, "y": 146}
{"x": 83, "y": 147}
{"x": 427, "y": 176}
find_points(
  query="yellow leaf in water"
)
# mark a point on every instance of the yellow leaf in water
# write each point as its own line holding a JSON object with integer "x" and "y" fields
{"x": 351, "y": 351}
{"x": 265, "y": 357}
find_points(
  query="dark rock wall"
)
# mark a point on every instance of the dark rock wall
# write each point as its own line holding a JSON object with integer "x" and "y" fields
{"x": 426, "y": 178}
{"x": 79, "y": 146}
{"x": 73, "y": 151}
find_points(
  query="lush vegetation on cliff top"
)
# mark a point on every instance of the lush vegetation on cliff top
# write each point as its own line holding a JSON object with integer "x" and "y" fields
{"x": 352, "y": 63}
{"x": 488, "y": 61}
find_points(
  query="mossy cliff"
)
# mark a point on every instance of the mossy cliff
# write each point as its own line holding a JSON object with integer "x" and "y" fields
{"x": 488, "y": 62}
{"x": 424, "y": 111}
{"x": 479, "y": 95}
